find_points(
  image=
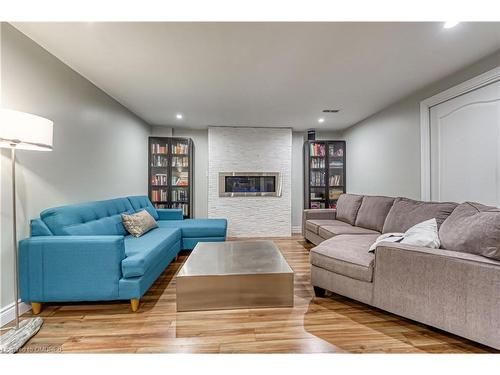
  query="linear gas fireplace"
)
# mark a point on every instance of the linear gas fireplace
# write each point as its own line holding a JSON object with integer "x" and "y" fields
{"x": 248, "y": 184}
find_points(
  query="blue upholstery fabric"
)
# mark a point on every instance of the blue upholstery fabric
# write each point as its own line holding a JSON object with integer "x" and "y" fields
{"x": 141, "y": 202}
{"x": 192, "y": 228}
{"x": 190, "y": 243}
{"x": 170, "y": 214}
{"x": 145, "y": 251}
{"x": 70, "y": 268}
{"x": 82, "y": 252}
{"x": 87, "y": 219}
{"x": 38, "y": 228}
{"x": 135, "y": 287}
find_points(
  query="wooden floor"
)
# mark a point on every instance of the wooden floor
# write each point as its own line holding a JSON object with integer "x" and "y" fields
{"x": 331, "y": 325}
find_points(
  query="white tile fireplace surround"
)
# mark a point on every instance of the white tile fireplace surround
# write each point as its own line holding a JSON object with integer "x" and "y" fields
{"x": 232, "y": 149}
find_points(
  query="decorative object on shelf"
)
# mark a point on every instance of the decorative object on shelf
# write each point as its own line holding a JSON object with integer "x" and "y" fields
{"x": 324, "y": 173}
{"x": 21, "y": 131}
{"x": 171, "y": 173}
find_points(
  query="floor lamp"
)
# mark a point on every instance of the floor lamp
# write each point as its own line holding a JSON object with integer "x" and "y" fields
{"x": 21, "y": 131}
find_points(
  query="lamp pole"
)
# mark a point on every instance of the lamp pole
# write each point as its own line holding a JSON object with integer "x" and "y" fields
{"x": 14, "y": 232}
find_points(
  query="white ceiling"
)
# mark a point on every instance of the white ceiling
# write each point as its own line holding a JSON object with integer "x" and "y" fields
{"x": 262, "y": 74}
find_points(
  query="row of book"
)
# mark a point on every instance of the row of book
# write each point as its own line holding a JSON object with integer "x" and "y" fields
{"x": 317, "y": 195}
{"x": 317, "y": 205}
{"x": 157, "y": 148}
{"x": 180, "y": 161}
{"x": 339, "y": 152}
{"x": 159, "y": 161}
{"x": 336, "y": 164}
{"x": 159, "y": 179}
{"x": 317, "y": 149}
{"x": 180, "y": 195}
{"x": 160, "y": 195}
{"x": 335, "y": 180}
{"x": 317, "y": 163}
{"x": 317, "y": 178}
{"x": 180, "y": 179}
{"x": 180, "y": 148}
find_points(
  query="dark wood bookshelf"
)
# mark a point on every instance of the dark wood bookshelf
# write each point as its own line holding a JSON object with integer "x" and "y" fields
{"x": 162, "y": 179}
{"x": 324, "y": 173}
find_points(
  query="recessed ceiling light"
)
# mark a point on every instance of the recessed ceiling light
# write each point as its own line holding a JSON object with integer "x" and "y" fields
{"x": 321, "y": 120}
{"x": 450, "y": 24}
{"x": 331, "y": 110}
{"x": 179, "y": 116}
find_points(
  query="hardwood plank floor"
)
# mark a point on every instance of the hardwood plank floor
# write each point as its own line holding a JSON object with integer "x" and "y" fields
{"x": 314, "y": 325}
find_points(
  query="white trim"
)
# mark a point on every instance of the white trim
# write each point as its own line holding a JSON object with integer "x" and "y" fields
{"x": 425, "y": 107}
{"x": 8, "y": 313}
{"x": 296, "y": 229}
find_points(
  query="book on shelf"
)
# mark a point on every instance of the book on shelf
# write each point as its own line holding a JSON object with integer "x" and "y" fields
{"x": 157, "y": 148}
{"x": 180, "y": 179}
{"x": 183, "y": 206}
{"x": 159, "y": 195}
{"x": 317, "y": 163}
{"x": 180, "y": 161}
{"x": 339, "y": 152}
{"x": 159, "y": 179}
{"x": 180, "y": 195}
{"x": 335, "y": 194}
{"x": 317, "y": 205}
{"x": 180, "y": 148}
{"x": 335, "y": 180}
{"x": 159, "y": 161}
{"x": 317, "y": 178}
{"x": 336, "y": 164}
{"x": 317, "y": 149}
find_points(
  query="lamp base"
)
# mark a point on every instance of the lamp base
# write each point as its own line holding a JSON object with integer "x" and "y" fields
{"x": 14, "y": 339}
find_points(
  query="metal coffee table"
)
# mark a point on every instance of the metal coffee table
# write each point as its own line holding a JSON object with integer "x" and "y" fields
{"x": 234, "y": 275}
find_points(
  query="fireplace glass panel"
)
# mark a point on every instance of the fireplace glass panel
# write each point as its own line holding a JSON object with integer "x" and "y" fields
{"x": 250, "y": 184}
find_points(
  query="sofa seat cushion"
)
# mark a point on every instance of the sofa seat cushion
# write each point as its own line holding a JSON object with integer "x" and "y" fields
{"x": 373, "y": 211}
{"x": 329, "y": 231}
{"x": 347, "y": 207}
{"x": 194, "y": 228}
{"x": 143, "y": 253}
{"x": 313, "y": 225}
{"x": 405, "y": 213}
{"x": 346, "y": 255}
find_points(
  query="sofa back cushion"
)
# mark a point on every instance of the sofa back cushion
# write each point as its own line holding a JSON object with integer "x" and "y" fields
{"x": 87, "y": 219}
{"x": 142, "y": 202}
{"x": 405, "y": 213}
{"x": 347, "y": 207}
{"x": 373, "y": 211}
{"x": 472, "y": 228}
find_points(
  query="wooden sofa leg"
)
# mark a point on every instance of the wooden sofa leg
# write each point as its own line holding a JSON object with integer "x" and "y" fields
{"x": 134, "y": 304}
{"x": 36, "y": 307}
{"x": 319, "y": 292}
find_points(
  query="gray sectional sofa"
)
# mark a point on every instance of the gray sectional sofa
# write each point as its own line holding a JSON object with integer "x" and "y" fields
{"x": 455, "y": 288}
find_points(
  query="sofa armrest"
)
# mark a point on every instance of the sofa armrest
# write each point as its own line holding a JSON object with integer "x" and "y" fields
{"x": 70, "y": 268}
{"x": 170, "y": 214}
{"x": 453, "y": 291}
{"x": 317, "y": 214}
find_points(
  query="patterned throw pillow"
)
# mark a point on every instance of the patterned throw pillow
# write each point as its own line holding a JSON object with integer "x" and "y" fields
{"x": 139, "y": 223}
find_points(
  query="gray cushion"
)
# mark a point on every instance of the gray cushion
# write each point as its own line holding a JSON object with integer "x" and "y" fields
{"x": 346, "y": 255}
{"x": 472, "y": 228}
{"x": 347, "y": 207}
{"x": 373, "y": 212}
{"x": 405, "y": 213}
{"x": 329, "y": 231}
{"x": 139, "y": 223}
{"x": 313, "y": 225}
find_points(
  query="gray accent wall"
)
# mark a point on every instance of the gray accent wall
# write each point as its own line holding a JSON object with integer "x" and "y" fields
{"x": 100, "y": 147}
{"x": 383, "y": 151}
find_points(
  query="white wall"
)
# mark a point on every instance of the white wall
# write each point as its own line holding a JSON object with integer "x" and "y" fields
{"x": 100, "y": 148}
{"x": 383, "y": 151}
{"x": 251, "y": 150}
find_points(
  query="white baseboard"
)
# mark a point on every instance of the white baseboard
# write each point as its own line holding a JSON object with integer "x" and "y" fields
{"x": 296, "y": 229}
{"x": 8, "y": 313}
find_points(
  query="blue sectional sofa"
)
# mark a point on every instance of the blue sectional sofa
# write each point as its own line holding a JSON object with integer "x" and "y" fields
{"x": 82, "y": 252}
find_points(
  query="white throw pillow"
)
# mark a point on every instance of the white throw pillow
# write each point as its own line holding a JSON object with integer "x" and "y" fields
{"x": 423, "y": 234}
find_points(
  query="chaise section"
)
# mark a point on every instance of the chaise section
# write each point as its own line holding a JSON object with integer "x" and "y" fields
{"x": 346, "y": 255}
{"x": 144, "y": 252}
{"x": 198, "y": 230}
{"x": 314, "y": 225}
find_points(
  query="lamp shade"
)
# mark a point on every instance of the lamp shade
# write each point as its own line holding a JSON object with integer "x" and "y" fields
{"x": 25, "y": 131}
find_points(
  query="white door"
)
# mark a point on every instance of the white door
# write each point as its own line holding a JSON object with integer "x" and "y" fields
{"x": 465, "y": 147}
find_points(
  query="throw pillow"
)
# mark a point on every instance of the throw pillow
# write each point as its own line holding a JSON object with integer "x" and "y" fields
{"x": 139, "y": 223}
{"x": 472, "y": 228}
